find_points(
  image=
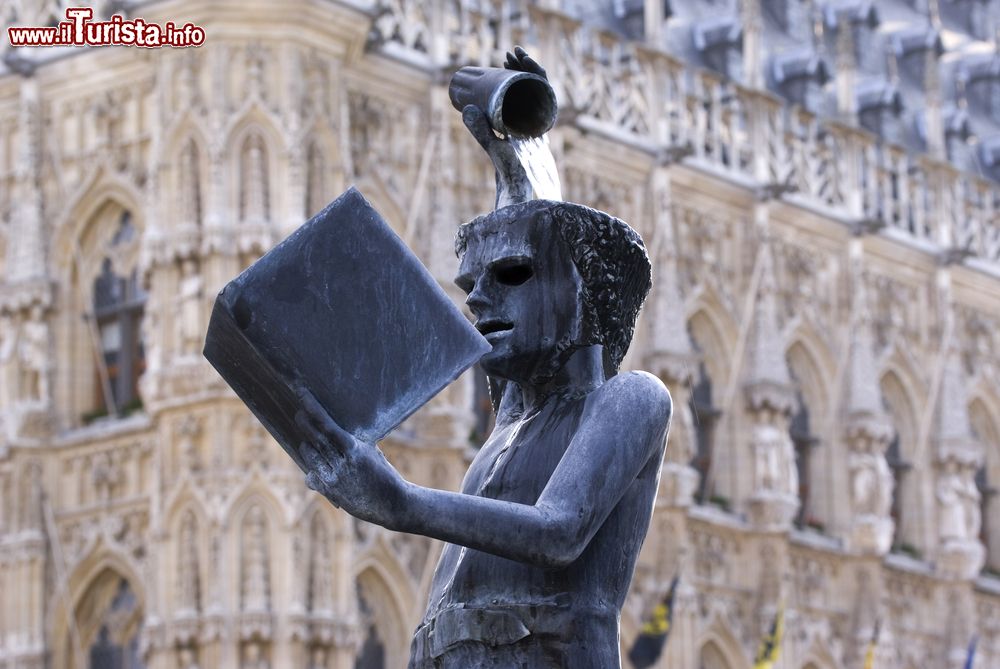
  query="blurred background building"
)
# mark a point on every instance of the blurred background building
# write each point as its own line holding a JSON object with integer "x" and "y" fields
{"x": 814, "y": 181}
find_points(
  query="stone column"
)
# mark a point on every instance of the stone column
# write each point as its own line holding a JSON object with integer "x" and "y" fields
{"x": 671, "y": 355}
{"x": 770, "y": 400}
{"x": 960, "y": 553}
{"x": 867, "y": 434}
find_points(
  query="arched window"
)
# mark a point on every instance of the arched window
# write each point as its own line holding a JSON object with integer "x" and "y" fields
{"x": 899, "y": 468}
{"x": 109, "y": 624}
{"x": 118, "y": 299}
{"x": 813, "y": 461}
{"x": 800, "y": 431}
{"x": 907, "y": 501}
{"x": 372, "y": 652}
{"x": 704, "y": 415}
{"x": 716, "y": 484}
{"x": 987, "y": 432}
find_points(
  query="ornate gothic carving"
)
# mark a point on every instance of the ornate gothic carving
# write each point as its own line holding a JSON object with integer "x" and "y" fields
{"x": 255, "y": 567}
{"x": 770, "y": 401}
{"x": 320, "y": 592}
{"x": 188, "y": 568}
{"x": 254, "y": 180}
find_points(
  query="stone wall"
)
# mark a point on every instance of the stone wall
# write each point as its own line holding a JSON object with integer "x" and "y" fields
{"x": 839, "y": 295}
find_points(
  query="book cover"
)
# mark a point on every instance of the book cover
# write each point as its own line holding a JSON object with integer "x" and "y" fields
{"x": 343, "y": 307}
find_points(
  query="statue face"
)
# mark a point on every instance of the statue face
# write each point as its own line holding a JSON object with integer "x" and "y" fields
{"x": 525, "y": 294}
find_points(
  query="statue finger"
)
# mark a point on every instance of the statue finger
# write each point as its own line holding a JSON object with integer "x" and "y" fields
{"x": 319, "y": 418}
{"x": 312, "y": 433}
{"x": 529, "y": 64}
{"x": 311, "y": 456}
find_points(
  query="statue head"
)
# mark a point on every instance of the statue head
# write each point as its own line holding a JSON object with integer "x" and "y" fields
{"x": 546, "y": 278}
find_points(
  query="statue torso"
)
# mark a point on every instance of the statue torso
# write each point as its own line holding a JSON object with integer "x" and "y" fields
{"x": 570, "y": 613}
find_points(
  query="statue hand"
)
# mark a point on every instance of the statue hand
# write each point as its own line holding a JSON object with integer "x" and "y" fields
{"x": 352, "y": 474}
{"x": 522, "y": 62}
{"x": 512, "y": 181}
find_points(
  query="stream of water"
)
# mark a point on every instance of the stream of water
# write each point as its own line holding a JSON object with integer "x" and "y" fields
{"x": 537, "y": 160}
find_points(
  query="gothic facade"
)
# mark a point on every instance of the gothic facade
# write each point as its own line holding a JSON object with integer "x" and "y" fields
{"x": 814, "y": 187}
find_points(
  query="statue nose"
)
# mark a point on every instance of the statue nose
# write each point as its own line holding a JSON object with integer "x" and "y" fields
{"x": 477, "y": 299}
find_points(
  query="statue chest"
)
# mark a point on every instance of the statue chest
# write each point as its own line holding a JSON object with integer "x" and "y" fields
{"x": 517, "y": 461}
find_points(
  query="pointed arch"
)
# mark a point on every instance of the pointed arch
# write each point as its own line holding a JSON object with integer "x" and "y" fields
{"x": 253, "y": 492}
{"x": 253, "y": 143}
{"x": 185, "y": 496}
{"x": 822, "y": 470}
{"x": 712, "y": 334}
{"x": 384, "y": 630}
{"x": 96, "y": 246}
{"x": 719, "y": 648}
{"x": 818, "y": 656}
{"x": 74, "y": 228}
{"x": 80, "y": 605}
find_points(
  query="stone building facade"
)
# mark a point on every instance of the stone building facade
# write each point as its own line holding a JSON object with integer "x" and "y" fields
{"x": 813, "y": 184}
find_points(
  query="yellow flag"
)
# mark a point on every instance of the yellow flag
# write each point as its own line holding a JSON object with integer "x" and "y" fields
{"x": 770, "y": 645}
{"x": 870, "y": 653}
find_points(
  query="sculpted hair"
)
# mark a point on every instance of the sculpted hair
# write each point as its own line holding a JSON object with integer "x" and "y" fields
{"x": 611, "y": 260}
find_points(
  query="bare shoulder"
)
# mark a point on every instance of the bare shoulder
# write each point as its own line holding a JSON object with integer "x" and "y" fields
{"x": 637, "y": 396}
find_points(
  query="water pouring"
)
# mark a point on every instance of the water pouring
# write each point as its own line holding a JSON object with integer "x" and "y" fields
{"x": 517, "y": 102}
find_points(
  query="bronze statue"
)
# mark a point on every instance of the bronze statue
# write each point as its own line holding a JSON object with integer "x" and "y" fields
{"x": 544, "y": 535}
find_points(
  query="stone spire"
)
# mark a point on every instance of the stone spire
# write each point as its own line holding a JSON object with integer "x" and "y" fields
{"x": 669, "y": 342}
{"x": 954, "y": 432}
{"x": 672, "y": 356}
{"x": 846, "y": 74}
{"x": 770, "y": 401}
{"x": 750, "y": 17}
{"x": 766, "y": 366}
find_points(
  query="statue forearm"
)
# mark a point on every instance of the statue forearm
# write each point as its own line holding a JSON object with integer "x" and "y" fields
{"x": 533, "y": 534}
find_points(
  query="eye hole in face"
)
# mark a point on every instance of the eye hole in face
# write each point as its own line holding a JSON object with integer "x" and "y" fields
{"x": 514, "y": 274}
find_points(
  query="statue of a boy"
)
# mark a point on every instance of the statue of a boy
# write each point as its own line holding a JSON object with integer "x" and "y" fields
{"x": 543, "y": 538}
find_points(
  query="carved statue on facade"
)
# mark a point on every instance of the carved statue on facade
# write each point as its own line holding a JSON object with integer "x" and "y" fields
{"x": 8, "y": 346}
{"x": 774, "y": 461}
{"x": 958, "y": 500}
{"x": 34, "y": 357}
{"x": 871, "y": 484}
{"x": 545, "y": 533}
{"x": 189, "y": 329}
{"x": 951, "y": 512}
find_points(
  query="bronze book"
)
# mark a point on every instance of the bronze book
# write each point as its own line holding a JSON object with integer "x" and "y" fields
{"x": 343, "y": 307}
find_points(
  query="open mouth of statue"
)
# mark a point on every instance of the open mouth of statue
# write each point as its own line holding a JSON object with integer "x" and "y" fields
{"x": 493, "y": 326}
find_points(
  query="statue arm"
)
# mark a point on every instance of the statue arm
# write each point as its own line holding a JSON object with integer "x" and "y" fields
{"x": 622, "y": 430}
